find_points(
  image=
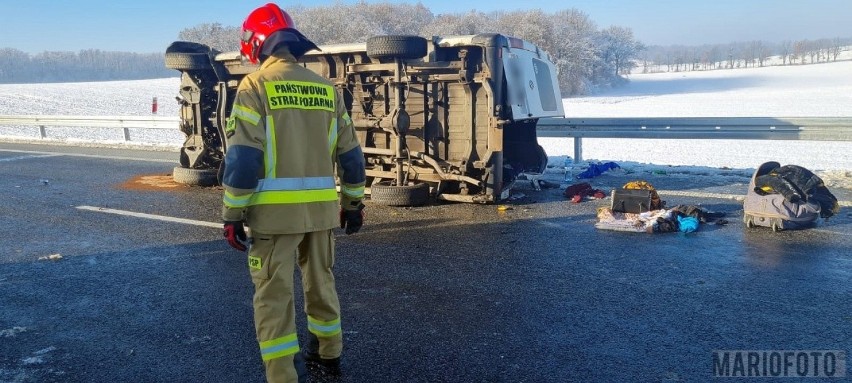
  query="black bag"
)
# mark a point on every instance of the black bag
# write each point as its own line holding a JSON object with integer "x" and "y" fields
{"x": 631, "y": 200}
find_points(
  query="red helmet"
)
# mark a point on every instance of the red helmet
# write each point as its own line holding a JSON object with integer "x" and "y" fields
{"x": 259, "y": 24}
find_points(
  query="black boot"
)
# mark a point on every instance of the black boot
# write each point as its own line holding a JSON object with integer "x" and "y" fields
{"x": 313, "y": 360}
{"x": 325, "y": 366}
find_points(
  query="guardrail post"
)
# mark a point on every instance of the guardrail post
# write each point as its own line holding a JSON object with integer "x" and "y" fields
{"x": 578, "y": 150}
{"x": 126, "y": 134}
{"x": 42, "y": 132}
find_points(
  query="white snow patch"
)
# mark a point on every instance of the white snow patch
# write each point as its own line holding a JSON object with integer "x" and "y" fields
{"x": 45, "y": 350}
{"x": 12, "y": 332}
{"x": 32, "y": 360}
{"x": 38, "y": 356}
{"x": 52, "y": 257}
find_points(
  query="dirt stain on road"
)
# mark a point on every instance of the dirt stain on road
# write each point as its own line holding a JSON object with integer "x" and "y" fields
{"x": 152, "y": 182}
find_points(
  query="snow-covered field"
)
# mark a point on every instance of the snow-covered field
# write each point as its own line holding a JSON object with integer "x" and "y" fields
{"x": 782, "y": 91}
{"x": 820, "y": 90}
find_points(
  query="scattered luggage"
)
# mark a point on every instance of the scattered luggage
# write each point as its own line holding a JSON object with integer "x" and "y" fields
{"x": 636, "y": 197}
{"x": 786, "y": 197}
{"x": 682, "y": 218}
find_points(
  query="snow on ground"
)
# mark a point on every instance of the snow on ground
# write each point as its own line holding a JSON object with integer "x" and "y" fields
{"x": 818, "y": 90}
{"x": 107, "y": 98}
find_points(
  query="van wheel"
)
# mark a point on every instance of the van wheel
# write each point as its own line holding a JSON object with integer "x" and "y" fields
{"x": 393, "y": 46}
{"x": 383, "y": 193}
{"x": 749, "y": 221}
{"x": 194, "y": 177}
{"x": 187, "y": 61}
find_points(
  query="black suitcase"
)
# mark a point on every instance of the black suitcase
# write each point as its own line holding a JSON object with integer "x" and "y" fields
{"x": 631, "y": 200}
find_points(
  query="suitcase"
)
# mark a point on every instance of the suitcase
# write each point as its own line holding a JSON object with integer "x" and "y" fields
{"x": 773, "y": 210}
{"x": 631, "y": 200}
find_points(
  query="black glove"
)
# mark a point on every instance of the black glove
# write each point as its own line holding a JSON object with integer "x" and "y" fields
{"x": 236, "y": 235}
{"x": 352, "y": 220}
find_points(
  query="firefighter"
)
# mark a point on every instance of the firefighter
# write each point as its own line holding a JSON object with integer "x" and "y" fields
{"x": 287, "y": 134}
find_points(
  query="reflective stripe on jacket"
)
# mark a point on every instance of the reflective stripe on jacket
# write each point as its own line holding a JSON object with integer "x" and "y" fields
{"x": 287, "y": 134}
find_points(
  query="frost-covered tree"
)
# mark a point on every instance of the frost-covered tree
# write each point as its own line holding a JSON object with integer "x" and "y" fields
{"x": 13, "y": 66}
{"x": 395, "y": 19}
{"x": 619, "y": 48}
{"x": 335, "y": 24}
{"x": 575, "y": 51}
{"x": 214, "y": 35}
{"x": 469, "y": 23}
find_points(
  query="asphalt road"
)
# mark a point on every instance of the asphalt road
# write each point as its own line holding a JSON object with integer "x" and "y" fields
{"x": 440, "y": 293}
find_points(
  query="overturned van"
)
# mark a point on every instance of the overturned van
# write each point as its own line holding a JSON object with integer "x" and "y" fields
{"x": 452, "y": 118}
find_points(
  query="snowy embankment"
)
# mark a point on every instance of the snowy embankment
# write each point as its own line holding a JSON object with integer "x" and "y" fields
{"x": 820, "y": 90}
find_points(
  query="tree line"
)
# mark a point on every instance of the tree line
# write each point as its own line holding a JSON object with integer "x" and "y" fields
{"x": 86, "y": 65}
{"x": 586, "y": 57}
{"x": 746, "y": 54}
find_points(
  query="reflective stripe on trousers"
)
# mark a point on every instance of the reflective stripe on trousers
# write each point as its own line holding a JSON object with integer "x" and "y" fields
{"x": 278, "y": 347}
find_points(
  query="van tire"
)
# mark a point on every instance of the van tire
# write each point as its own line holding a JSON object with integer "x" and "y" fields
{"x": 183, "y": 61}
{"x": 383, "y": 193}
{"x": 194, "y": 177}
{"x": 396, "y": 46}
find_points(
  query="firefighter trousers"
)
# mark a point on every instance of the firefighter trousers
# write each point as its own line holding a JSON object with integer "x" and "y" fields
{"x": 271, "y": 262}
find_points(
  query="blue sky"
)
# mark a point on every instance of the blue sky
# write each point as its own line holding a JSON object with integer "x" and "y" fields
{"x": 150, "y": 25}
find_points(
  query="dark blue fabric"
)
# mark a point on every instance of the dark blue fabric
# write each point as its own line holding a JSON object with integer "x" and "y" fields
{"x": 242, "y": 165}
{"x": 352, "y": 163}
{"x": 597, "y": 169}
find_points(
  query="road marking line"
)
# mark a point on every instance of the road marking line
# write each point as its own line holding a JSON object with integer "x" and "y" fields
{"x": 151, "y": 216}
{"x": 10, "y": 159}
{"x": 53, "y": 154}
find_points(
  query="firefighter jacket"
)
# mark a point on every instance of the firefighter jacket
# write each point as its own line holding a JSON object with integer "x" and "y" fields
{"x": 287, "y": 134}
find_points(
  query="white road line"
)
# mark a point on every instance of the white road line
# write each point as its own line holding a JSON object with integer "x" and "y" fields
{"x": 10, "y": 159}
{"x": 700, "y": 194}
{"x": 735, "y": 197}
{"x": 53, "y": 154}
{"x": 151, "y": 216}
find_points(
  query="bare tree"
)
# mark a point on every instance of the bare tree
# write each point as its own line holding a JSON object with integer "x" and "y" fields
{"x": 785, "y": 50}
{"x": 836, "y": 48}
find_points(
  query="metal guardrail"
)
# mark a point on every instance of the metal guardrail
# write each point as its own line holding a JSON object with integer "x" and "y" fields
{"x": 736, "y": 128}
{"x": 123, "y": 122}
